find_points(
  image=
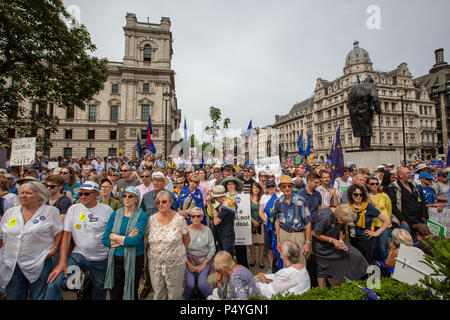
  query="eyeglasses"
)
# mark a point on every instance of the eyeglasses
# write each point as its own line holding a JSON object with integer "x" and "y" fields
{"x": 196, "y": 216}
{"x": 64, "y": 172}
{"x": 161, "y": 202}
{"x": 145, "y": 176}
{"x": 270, "y": 187}
{"x": 262, "y": 176}
{"x": 180, "y": 182}
{"x": 286, "y": 186}
{"x": 128, "y": 196}
{"x": 357, "y": 194}
{"x": 87, "y": 194}
{"x": 51, "y": 186}
{"x": 194, "y": 182}
{"x": 125, "y": 170}
{"x": 373, "y": 184}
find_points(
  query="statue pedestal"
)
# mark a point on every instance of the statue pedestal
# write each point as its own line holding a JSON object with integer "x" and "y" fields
{"x": 373, "y": 158}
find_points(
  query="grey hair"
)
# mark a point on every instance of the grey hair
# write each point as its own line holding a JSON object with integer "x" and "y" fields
{"x": 291, "y": 251}
{"x": 345, "y": 213}
{"x": 39, "y": 188}
{"x": 197, "y": 209}
{"x": 164, "y": 193}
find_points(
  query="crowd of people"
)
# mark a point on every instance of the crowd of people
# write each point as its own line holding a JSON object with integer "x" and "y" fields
{"x": 173, "y": 225}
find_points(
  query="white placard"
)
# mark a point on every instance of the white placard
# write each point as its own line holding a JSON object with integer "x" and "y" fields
{"x": 53, "y": 165}
{"x": 269, "y": 164}
{"x": 23, "y": 151}
{"x": 242, "y": 220}
{"x": 409, "y": 267}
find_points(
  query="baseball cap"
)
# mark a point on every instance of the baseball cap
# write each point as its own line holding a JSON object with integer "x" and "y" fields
{"x": 425, "y": 175}
{"x": 270, "y": 183}
{"x": 133, "y": 190}
{"x": 442, "y": 173}
{"x": 88, "y": 185}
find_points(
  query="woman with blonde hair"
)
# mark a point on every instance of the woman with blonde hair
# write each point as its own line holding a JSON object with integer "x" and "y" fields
{"x": 335, "y": 257}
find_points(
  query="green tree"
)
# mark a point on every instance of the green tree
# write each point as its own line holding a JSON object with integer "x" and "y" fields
{"x": 44, "y": 60}
{"x": 216, "y": 115}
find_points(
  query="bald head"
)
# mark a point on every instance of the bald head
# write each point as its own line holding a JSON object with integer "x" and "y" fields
{"x": 359, "y": 179}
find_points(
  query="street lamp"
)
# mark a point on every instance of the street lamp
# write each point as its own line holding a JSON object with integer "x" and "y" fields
{"x": 166, "y": 97}
{"x": 401, "y": 93}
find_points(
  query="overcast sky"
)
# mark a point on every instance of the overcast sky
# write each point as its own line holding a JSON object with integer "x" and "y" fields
{"x": 257, "y": 58}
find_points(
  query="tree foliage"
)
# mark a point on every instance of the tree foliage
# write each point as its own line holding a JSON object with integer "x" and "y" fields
{"x": 43, "y": 59}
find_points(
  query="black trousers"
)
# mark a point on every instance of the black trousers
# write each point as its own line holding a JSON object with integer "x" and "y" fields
{"x": 241, "y": 255}
{"x": 365, "y": 247}
{"x": 116, "y": 292}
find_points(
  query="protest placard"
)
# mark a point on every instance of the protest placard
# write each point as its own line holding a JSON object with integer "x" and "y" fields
{"x": 23, "y": 151}
{"x": 269, "y": 164}
{"x": 242, "y": 220}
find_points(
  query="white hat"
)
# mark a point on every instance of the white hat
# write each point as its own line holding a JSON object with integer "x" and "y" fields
{"x": 160, "y": 175}
{"x": 218, "y": 191}
{"x": 88, "y": 185}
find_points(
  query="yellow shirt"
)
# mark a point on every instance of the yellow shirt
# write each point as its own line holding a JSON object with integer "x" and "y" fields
{"x": 383, "y": 203}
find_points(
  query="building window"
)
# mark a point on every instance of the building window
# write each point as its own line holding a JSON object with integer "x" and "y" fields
{"x": 146, "y": 87}
{"x": 147, "y": 53}
{"x": 91, "y": 134}
{"x": 143, "y": 136}
{"x": 50, "y": 109}
{"x": 67, "y": 152}
{"x": 114, "y": 113}
{"x": 68, "y": 134}
{"x": 112, "y": 135}
{"x": 115, "y": 88}
{"x": 92, "y": 113}
{"x": 145, "y": 111}
{"x": 112, "y": 152}
{"x": 70, "y": 112}
{"x": 11, "y": 133}
{"x": 90, "y": 151}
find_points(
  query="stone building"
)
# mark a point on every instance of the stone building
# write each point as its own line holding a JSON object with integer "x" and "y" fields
{"x": 320, "y": 114}
{"x": 135, "y": 88}
{"x": 437, "y": 85}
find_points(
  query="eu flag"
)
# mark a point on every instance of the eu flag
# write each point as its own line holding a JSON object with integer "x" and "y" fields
{"x": 448, "y": 156}
{"x": 336, "y": 157}
{"x": 308, "y": 148}
{"x": 301, "y": 152}
{"x": 357, "y": 78}
{"x": 149, "y": 143}
{"x": 249, "y": 129}
{"x": 139, "y": 148}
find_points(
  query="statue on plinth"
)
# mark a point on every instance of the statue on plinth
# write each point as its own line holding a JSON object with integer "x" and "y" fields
{"x": 362, "y": 103}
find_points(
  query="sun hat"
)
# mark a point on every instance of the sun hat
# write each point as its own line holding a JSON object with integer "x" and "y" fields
{"x": 421, "y": 166}
{"x": 237, "y": 181}
{"x": 88, "y": 185}
{"x": 285, "y": 179}
{"x": 160, "y": 175}
{"x": 26, "y": 179}
{"x": 133, "y": 190}
{"x": 218, "y": 191}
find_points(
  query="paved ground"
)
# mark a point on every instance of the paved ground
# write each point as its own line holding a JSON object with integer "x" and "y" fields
{"x": 70, "y": 295}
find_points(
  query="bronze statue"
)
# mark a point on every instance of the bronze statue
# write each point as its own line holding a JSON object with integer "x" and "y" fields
{"x": 362, "y": 103}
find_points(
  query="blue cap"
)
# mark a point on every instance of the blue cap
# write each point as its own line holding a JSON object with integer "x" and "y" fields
{"x": 425, "y": 175}
{"x": 270, "y": 183}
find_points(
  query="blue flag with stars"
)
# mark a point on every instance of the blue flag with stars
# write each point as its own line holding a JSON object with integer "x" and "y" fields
{"x": 301, "y": 152}
{"x": 308, "y": 148}
{"x": 336, "y": 157}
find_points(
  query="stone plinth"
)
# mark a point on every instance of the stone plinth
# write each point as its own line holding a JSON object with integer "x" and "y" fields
{"x": 373, "y": 158}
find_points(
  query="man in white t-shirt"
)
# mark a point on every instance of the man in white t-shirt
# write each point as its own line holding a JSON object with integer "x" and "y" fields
{"x": 85, "y": 222}
{"x": 342, "y": 183}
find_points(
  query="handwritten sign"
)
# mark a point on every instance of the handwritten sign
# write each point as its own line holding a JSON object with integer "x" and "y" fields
{"x": 23, "y": 151}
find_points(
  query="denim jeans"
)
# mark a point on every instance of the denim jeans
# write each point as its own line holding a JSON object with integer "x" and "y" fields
{"x": 18, "y": 286}
{"x": 227, "y": 244}
{"x": 96, "y": 268}
{"x": 381, "y": 245}
{"x": 203, "y": 284}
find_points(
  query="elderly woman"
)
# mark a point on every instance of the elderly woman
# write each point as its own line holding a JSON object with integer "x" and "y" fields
{"x": 190, "y": 197}
{"x": 70, "y": 183}
{"x": 293, "y": 278}
{"x": 334, "y": 257}
{"x": 106, "y": 191}
{"x": 124, "y": 235}
{"x": 168, "y": 239}
{"x": 234, "y": 282}
{"x": 200, "y": 252}
{"x": 364, "y": 221}
{"x": 30, "y": 235}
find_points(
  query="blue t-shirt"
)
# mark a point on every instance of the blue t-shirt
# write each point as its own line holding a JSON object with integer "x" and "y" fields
{"x": 313, "y": 201}
{"x": 429, "y": 195}
{"x": 371, "y": 212}
{"x": 136, "y": 241}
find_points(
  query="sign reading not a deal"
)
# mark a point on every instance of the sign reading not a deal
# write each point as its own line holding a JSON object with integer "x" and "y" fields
{"x": 23, "y": 151}
{"x": 242, "y": 220}
{"x": 269, "y": 164}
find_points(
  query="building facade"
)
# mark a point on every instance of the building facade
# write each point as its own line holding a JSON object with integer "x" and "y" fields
{"x": 142, "y": 84}
{"x": 320, "y": 114}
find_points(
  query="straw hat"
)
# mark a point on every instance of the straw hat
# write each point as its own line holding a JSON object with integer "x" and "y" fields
{"x": 218, "y": 191}
{"x": 285, "y": 180}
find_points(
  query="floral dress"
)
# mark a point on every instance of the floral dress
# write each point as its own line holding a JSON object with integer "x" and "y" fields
{"x": 239, "y": 286}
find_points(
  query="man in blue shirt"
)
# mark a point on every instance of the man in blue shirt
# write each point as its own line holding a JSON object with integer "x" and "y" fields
{"x": 313, "y": 198}
{"x": 160, "y": 162}
{"x": 292, "y": 218}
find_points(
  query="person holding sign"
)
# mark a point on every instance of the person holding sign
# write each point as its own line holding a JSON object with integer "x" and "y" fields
{"x": 30, "y": 235}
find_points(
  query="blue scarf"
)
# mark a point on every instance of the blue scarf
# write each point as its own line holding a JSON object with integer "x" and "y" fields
{"x": 198, "y": 199}
{"x": 268, "y": 209}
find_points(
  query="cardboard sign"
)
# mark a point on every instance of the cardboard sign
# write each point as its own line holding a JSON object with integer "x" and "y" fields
{"x": 242, "y": 220}
{"x": 53, "y": 165}
{"x": 269, "y": 164}
{"x": 436, "y": 229}
{"x": 409, "y": 267}
{"x": 23, "y": 151}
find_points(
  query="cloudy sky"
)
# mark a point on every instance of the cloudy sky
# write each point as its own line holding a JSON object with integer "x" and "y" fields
{"x": 257, "y": 58}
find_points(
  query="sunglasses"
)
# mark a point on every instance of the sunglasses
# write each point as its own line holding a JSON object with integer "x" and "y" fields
{"x": 51, "y": 186}
{"x": 161, "y": 202}
{"x": 63, "y": 172}
{"x": 270, "y": 187}
{"x": 125, "y": 170}
{"x": 87, "y": 194}
{"x": 373, "y": 184}
{"x": 263, "y": 176}
{"x": 196, "y": 216}
{"x": 145, "y": 176}
{"x": 357, "y": 194}
{"x": 286, "y": 186}
{"x": 128, "y": 196}
{"x": 194, "y": 182}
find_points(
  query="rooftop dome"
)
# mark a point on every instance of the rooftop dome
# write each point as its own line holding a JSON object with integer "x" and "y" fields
{"x": 357, "y": 54}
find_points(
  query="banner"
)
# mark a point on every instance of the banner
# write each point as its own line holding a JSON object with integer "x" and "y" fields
{"x": 242, "y": 220}
{"x": 23, "y": 151}
{"x": 53, "y": 165}
{"x": 269, "y": 164}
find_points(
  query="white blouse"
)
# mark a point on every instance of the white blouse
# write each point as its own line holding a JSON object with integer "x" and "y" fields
{"x": 285, "y": 280}
{"x": 27, "y": 244}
